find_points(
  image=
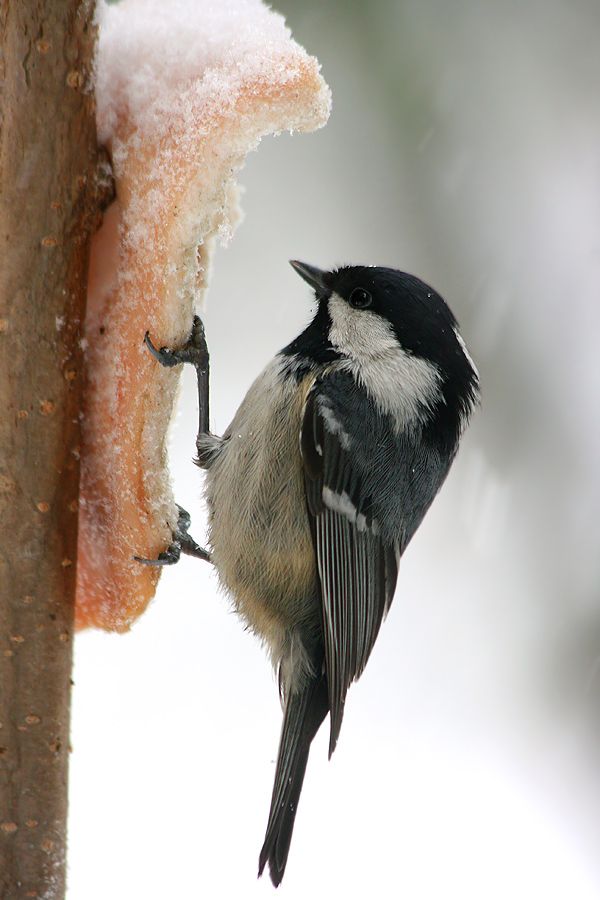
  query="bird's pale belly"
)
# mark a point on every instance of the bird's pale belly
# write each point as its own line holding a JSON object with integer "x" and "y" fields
{"x": 262, "y": 547}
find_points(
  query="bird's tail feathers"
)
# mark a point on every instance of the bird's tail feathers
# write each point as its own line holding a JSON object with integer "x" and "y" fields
{"x": 305, "y": 710}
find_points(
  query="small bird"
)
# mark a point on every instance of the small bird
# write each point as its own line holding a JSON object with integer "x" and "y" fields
{"x": 318, "y": 485}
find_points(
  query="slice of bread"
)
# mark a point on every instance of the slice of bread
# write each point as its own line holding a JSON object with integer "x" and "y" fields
{"x": 184, "y": 91}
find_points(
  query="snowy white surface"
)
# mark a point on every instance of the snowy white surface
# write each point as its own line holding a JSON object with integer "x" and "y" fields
{"x": 150, "y": 51}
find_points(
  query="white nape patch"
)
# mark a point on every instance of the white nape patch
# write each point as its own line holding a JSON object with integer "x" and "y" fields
{"x": 403, "y": 385}
{"x": 334, "y": 426}
{"x": 342, "y": 504}
{"x": 463, "y": 347}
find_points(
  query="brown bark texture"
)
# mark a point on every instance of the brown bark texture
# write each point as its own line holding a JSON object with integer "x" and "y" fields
{"x": 48, "y": 211}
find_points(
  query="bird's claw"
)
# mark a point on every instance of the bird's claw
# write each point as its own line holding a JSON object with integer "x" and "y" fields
{"x": 195, "y": 351}
{"x": 182, "y": 543}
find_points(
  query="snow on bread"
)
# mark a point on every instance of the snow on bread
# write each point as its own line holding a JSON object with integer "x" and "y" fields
{"x": 184, "y": 90}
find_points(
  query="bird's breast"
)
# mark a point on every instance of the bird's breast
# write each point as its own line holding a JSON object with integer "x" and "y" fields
{"x": 259, "y": 531}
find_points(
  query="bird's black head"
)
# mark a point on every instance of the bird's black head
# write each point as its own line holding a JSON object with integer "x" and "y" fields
{"x": 414, "y": 313}
{"x": 367, "y": 311}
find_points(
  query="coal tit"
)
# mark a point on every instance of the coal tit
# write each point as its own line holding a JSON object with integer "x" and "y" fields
{"x": 318, "y": 485}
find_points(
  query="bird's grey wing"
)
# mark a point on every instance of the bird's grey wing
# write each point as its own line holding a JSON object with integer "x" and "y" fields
{"x": 357, "y": 564}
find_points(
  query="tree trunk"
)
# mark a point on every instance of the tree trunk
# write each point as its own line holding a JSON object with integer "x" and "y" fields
{"x": 48, "y": 212}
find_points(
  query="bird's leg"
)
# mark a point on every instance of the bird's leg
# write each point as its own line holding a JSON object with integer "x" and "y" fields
{"x": 195, "y": 351}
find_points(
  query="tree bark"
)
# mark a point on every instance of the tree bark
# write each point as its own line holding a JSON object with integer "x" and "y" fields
{"x": 48, "y": 212}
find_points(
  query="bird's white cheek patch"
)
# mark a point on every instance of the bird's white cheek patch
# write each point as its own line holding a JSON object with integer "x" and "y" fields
{"x": 403, "y": 385}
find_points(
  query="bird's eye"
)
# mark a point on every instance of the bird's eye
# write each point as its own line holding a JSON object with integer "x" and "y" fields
{"x": 360, "y": 299}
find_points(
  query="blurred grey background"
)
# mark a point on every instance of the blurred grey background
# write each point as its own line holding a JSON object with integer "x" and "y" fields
{"x": 464, "y": 147}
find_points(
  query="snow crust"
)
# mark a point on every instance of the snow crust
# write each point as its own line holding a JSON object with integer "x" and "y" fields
{"x": 184, "y": 90}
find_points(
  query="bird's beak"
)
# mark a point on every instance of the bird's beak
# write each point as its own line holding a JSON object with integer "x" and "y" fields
{"x": 314, "y": 276}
